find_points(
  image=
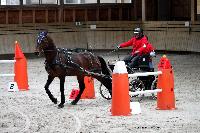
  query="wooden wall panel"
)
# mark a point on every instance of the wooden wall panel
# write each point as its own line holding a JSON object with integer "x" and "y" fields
{"x": 52, "y": 16}
{"x": 27, "y": 43}
{"x": 139, "y": 9}
{"x": 68, "y": 15}
{"x": 109, "y": 39}
{"x": 180, "y": 9}
{"x": 13, "y": 17}
{"x": 3, "y": 17}
{"x": 176, "y": 41}
{"x": 117, "y": 38}
{"x": 126, "y": 14}
{"x": 80, "y": 15}
{"x": 91, "y": 14}
{"x": 156, "y": 38}
{"x": 91, "y": 39}
{"x": 100, "y": 41}
{"x": 194, "y": 42}
{"x": 151, "y": 9}
{"x": 103, "y": 14}
{"x": 27, "y": 16}
{"x": 80, "y": 39}
{"x": 114, "y": 14}
{"x": 40, "y": 16}
{"x": 164, "y": 35}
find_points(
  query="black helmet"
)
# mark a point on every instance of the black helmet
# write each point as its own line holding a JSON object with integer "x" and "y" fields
{"x": 138, "y": 32}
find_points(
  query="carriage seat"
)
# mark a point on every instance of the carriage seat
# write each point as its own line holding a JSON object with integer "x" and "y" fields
{"x": 145, "y": 63}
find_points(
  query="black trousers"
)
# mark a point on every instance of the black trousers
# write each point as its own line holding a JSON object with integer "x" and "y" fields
{"x": 131, "y": 61}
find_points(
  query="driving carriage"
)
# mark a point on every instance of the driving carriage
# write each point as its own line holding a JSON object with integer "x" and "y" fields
{"x": 139, "y": 83}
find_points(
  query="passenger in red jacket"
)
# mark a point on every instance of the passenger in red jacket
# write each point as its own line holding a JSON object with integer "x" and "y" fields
{"x": 140, "y": 46}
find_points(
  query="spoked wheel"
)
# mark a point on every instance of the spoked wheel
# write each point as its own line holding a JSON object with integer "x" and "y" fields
{"x": 153, "y": 87}
{"x": 104, "y": 92}
{"x": 136, "y": 85}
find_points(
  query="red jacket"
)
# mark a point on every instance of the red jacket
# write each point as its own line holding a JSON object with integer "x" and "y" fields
{"x": 142, "y": 45}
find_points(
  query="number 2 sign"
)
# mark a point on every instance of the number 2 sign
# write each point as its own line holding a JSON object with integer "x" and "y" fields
{"x": 12, "y": 87}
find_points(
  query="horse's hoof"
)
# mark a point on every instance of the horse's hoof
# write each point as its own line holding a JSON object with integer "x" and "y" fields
{"x": 60, "y": 105}
{"x": 73, "y": 102}
{"x": 55, "y": 101}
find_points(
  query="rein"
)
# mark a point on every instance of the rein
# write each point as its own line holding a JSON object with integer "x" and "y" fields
{"x": 109, "y": 53}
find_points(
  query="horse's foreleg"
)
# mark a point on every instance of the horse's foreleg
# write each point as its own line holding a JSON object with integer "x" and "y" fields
{"x": 81, "y": 87}
{"x": 49, "y": 80}
{"x": 62, "y": 81}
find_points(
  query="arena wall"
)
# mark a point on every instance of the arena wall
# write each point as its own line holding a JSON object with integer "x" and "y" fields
{"x": 164, "y": 35}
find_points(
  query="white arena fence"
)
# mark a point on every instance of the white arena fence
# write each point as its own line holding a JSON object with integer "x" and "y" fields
{"x": 7, "y": 62}
{"x": 145, "y": 74}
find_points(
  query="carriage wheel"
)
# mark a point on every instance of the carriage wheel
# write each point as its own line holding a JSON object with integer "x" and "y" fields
{"x": 153, "y": 87}
{"x": 136, "y": 85}
{"x": 104, "y": 92}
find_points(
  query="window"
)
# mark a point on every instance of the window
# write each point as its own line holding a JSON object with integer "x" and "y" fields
{"x": 198, "y": 9}
{"x": 29, "y": 2}
{"x": 79, "y": 1}
{"x": 10, "y": 2}
{"x": 115, "y": 1}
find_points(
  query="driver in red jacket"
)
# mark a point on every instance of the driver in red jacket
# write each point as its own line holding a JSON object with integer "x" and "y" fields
{"x": 140, "y": 46}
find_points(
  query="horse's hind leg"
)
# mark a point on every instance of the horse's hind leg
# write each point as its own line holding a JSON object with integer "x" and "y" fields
{"x": 81, "y": 87}
{"x": 62, "y": 81}
{"x": 49, "y": 80}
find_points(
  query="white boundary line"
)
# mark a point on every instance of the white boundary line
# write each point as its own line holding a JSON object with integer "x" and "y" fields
{"x": 78, "y": 126}
{"x": 27, "y": 123}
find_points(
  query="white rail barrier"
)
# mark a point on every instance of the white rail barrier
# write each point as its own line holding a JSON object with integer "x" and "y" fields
{"x": 144, "y": 92}
{"x": 7, "y": 75}
{"x": 144, "y": 74}
{"x": 7, "y": 62}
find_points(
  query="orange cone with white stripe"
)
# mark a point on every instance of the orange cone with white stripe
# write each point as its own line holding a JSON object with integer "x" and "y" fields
{"x": 120, "y": 91}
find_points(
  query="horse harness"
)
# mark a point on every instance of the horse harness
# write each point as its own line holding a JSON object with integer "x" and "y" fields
{"x": 68, "y": 63}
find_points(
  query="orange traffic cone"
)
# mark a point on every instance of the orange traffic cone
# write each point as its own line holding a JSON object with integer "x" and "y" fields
{"x": 120, "y": 91}
{"x": 20, "y": 68}
{"x": 165, "y": 99}
{"x": 89, "y": 92}
{"x": 18, "y": 52}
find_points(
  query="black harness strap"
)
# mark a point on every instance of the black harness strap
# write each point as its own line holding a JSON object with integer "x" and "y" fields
{"x": 67, "y": 63}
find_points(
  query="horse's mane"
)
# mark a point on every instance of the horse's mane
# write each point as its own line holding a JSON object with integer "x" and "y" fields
{"x": 50, "y": 41}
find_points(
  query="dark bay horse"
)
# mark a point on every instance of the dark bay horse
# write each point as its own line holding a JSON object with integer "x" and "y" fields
{"x": 67, "y": 62}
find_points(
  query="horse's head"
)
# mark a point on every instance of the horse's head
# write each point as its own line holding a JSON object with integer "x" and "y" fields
{"x": 44, "y": 42}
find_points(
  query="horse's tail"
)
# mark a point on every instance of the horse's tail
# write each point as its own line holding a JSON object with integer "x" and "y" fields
{"x": 107, "y": 79}
{"x": 104, "y": 67}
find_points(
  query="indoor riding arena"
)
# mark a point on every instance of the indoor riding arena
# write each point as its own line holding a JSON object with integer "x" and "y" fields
{"x": 93, "y": 31}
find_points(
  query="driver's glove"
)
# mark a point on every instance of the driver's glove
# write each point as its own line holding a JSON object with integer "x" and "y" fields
{"x": 118, "y": 47}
